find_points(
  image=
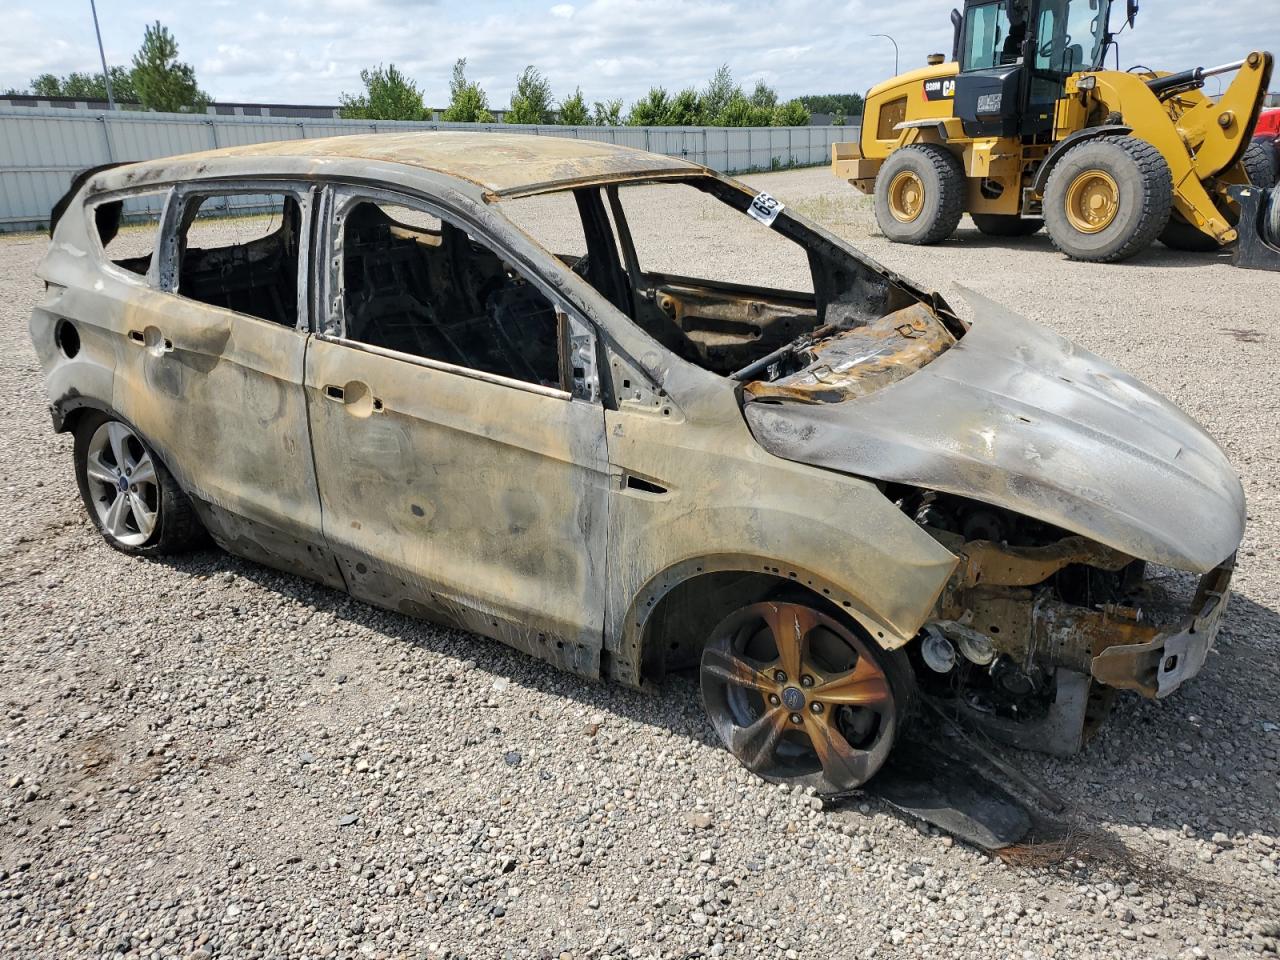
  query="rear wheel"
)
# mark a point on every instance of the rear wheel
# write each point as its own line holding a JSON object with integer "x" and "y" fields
{"x": 801, "y": 696}
{"x": 1259, "y": 162}
{"x": 1181, "y": 235}
{"x": 132, "y": 499}
{"x": 1005, "y": 225}
{"x": 1108, "y": 198}
{"x": 919, "y": 194}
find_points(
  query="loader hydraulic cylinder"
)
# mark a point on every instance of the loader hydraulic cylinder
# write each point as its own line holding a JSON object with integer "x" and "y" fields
{"x": 1190, "y": 78}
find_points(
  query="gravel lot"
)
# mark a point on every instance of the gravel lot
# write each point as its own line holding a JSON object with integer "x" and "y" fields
{"x": 204, "y": 758}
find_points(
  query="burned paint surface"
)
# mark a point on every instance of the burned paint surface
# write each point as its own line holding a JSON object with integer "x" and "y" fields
{"x": 605, "y": 524}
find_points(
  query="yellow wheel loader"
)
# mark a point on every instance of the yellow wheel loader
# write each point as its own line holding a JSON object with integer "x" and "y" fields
{"x": 1025, "y": 128}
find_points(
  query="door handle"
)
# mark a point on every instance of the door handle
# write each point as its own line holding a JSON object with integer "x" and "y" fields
{"x": 356, "y": 397}
{"x": 151, "y": 338}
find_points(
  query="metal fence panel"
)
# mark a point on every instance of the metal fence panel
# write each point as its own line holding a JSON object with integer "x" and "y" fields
{"x": 41, "y": 150}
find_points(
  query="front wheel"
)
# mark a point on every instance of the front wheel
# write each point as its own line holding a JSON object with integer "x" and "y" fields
{"x": 1108, "y": 198}
{"x": 132, "y": 499}
{"x": 800, "y": 696}
{"x": 919, "y": 194}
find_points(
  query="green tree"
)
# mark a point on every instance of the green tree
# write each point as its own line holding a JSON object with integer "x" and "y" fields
{"x": 684, "y": 110}
{"x": 87, "y": 86}
{"x": 793, "y": 113}
{"x": 467, "y": 102}
{"x": 573, "y": 110}
{"x": 764, "y": 96}
{"x": 531, "y": 101}
{"x": 718, "y": 93}
{"x": 388, "y": 95}
{"x": 652, "y": 110}
{"x": 162, "y": 81}
{"x": 836, "y": 104}
{"x": 607, "y": 113}
{"x": 741, "y": 112}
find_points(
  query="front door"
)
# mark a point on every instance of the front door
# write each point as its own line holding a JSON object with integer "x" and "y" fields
{"x": 458, "y": 440}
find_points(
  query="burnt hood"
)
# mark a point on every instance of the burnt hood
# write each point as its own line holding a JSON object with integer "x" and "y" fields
{"x": 1016, "y": 416}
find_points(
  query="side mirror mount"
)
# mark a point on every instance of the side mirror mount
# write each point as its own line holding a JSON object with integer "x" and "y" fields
{"x": 956, "y": 22}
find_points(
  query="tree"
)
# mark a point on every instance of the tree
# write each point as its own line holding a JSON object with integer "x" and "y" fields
{"x": 573, "y": 110}
{"x": 389, "y": 95}
{"x": 650, "y": 111}
{"x": 162, "y": 81}
{"x": 718, "y": 94}
{"x": 741, "y": 112}
{"x": 531, "y": 101}
{"x": 684, "y": 110}
{"x": 607, "y": 113}
{"x": 87, "y": 86}
{"x": 836, "y": 104}
{"x": 467, "y": 102}
{"x": 793, "y": 113}
{"x": 764, "y": 96}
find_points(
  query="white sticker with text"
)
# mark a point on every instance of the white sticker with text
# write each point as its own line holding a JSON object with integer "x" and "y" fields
{"x": 765, "y": 208}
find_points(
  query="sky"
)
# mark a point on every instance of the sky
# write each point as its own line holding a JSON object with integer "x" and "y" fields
{"x": 310, "y": 51}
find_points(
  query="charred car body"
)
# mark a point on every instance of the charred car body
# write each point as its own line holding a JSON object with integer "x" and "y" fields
{"x": 822, "y": 495}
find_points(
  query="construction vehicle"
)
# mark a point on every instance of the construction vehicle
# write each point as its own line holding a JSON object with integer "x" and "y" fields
{"x": 1024, "y": 127}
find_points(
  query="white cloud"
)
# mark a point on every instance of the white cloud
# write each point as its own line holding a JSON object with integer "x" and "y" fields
{"x": 312, "y": 50}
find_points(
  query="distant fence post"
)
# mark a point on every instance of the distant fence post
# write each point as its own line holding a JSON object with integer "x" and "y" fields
{"x": 106, "y": 137}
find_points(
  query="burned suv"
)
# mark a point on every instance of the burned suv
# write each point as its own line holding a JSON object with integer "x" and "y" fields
{"x": 628, "y": 416}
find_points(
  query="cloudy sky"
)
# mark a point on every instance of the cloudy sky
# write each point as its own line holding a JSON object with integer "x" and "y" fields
{"x": 309, "y": 51}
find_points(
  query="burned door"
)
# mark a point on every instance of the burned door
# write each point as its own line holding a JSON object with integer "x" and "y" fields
{"x": 211, "y": 367}
{"x": 458, "y": 438}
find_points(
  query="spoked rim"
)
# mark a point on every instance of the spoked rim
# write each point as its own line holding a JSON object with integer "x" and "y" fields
{"x": 798, "y": 697}
{"x": 123, "y": 486}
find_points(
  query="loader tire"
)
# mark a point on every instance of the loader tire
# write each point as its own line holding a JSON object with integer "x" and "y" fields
{"x": 1005, "y": 225}
{"x": 1259, "y": 162}
{"x": 920, "y": 194}
{"x": 1108, "y": 198}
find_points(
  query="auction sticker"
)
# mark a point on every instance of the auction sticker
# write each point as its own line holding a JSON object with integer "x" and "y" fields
{"x": 765, "y": 208}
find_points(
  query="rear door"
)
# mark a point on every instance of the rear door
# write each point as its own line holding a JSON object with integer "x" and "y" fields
{"x": 212, "y": 363}
{"x": 457, "y": 430}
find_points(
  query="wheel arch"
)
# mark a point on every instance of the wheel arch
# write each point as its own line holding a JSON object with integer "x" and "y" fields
{"x": 1066, "y": 143}
{"x": 654, "y": 640}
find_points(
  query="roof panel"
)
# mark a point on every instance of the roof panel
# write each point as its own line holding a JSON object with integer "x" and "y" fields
{"x": 498, "y": 162}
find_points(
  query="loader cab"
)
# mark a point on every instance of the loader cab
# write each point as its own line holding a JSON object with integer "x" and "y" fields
{"x": 1015, "y": 57}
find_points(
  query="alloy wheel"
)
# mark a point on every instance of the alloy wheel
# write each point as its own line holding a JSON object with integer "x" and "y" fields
{"x": 798, "y": 696}
{"x": 123, "y": 486}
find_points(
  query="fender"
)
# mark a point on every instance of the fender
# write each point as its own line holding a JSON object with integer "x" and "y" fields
{"x": 1062, "y": 146}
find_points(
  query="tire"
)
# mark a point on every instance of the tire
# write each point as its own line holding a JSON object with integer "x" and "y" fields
{"x": 153, "y": 516}
{"x": 1259, "y": 161}
{"x": 926, "y": 168}
{"x": 824, "y": 712}
{"x": 1134, "y": 192}
{"x": 1005, "y": 225}
{"x": 1180, "y": 235}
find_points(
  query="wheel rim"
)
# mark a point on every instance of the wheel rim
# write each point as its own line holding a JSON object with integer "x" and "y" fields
{"x": 797, "y": 697}
{"x": 1093, "y": 199}
{"x": 122, "y": 484}
{"x": 906, "y": 196}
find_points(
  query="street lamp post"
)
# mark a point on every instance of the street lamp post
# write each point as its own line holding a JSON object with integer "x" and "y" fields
{"x": 895, "y": 50}
{"x": 106, "y": 74}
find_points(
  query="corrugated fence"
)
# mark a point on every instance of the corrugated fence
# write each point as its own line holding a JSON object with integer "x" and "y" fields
{"x": 41, "y": 150}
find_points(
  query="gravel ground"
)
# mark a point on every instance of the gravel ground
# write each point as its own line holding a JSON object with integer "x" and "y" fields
{"x": 204, "y": 758}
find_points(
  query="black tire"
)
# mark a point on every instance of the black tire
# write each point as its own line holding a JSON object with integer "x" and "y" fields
{"x": 176, "y": 526}
{"x": 1180, "y": 235}
{"x": 1259, "y": 163}
{"x": 1143, "y": 189}
{"x": 1005, "y": 225}
{"x": 940, "y": 176}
